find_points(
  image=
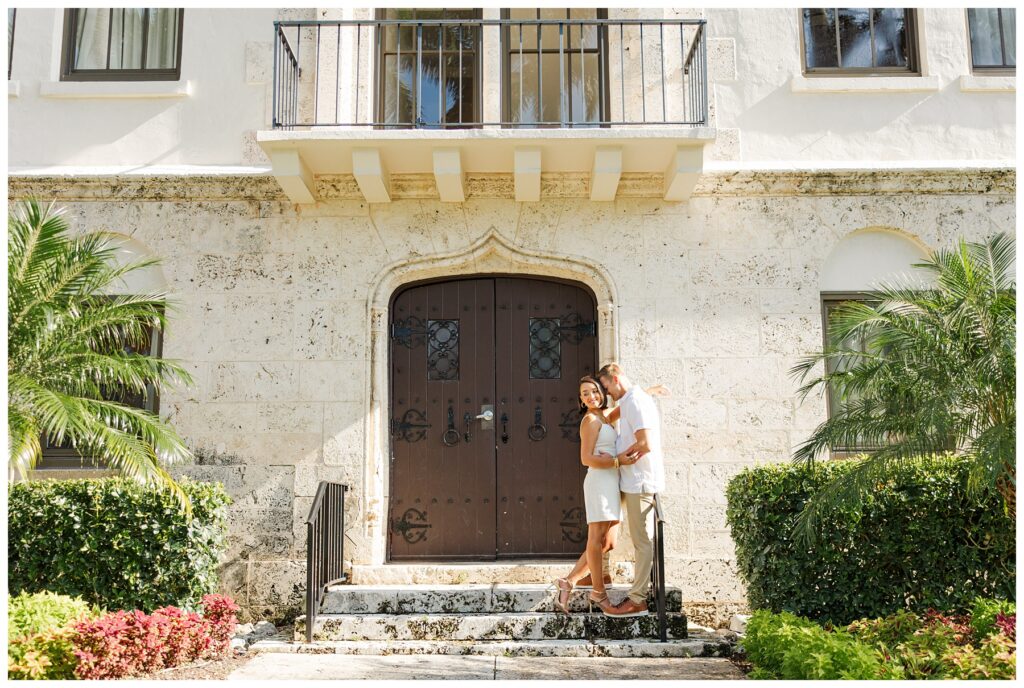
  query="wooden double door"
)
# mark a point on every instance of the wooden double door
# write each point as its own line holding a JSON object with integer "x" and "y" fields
{"x": 485, "y": 419}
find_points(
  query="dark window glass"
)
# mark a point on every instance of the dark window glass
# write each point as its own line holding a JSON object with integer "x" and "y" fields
{"x": 829, "y": 304}
{"x": 545, "y": 348}
{"x": 859, "y": 40}
{"x": 436, "y": 85}
{"x": 993, "y": 38}
{"x": 10, "y": 39}
{"x": 63, "y": 455}
{"x": 554, "y": 71}
{"x": 129, "y": 44}
{"x": 442, "y": 349}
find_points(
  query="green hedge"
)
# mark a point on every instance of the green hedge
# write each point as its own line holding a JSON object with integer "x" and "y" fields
{"x": 114, "y": 543}
{"x": 919, "y": 541}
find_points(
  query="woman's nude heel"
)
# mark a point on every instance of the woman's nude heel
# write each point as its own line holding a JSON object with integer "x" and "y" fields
{"x": 562, "y": 602}
{"x": 601, "y": 600}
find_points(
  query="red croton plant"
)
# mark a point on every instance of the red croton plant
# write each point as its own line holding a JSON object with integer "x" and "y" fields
{"x": 125, "y": 644}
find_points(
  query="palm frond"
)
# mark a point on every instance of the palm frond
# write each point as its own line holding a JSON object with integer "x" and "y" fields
{"x": 72, "y": 345}
{"x": 935, "y": 371}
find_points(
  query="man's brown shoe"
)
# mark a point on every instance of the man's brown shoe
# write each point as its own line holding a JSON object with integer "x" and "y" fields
{"x": 586, "y": 582}
{"x": 627, "y": 608}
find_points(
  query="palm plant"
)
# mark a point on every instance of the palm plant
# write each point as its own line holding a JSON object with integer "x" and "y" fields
{"x": 935, "y": 372}
{"x": 70, "y": 351}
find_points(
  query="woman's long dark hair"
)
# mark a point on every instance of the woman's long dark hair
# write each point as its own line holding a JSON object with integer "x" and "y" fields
{"x": 600, "y": 388}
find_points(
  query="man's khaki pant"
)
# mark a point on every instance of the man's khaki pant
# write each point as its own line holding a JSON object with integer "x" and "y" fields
{"x": 639, "y": 508}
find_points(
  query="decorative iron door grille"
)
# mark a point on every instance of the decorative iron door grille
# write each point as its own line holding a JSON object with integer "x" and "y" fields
{"x": 465, "y": 487}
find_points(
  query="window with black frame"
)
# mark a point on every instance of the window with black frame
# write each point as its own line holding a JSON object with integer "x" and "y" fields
{"x": 428, "y": 74}
{"x": 555, "y": 72}
{"x": 993, "y": 39}
{"x": 829, "y": 303}
{"x": 63, "y": 455}
{"x": 122, "y": 44}
{"x": 859, "y": 41}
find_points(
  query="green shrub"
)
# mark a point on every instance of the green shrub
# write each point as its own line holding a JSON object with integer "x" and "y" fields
{"x": 29, "y": 614}
{"x": 44, "y": 656}
{"x": 995, "y": 658}
{"x": 768, "y": 636}
{"x": 984, "y": 613}
{"x": 887, "y": 631}
{"x": 814, "y": 653}
{"x": 39, "y": 646}
{"x": 918, "y": 541}
{"x": 787, "y": 646}
{"x": 114, "y": 543}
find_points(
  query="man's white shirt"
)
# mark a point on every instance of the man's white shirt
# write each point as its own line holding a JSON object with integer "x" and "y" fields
{"x": 639, "y": 412}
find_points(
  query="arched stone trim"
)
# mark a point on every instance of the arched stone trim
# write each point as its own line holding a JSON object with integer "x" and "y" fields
{"x": 146, "y": 280}
{"x": 491, "y": 254}
{"x": 866, "y": 257}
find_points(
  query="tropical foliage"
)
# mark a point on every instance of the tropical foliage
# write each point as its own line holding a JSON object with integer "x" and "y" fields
{"x": 116, "y": 543}
{"x": 933, "y": 369}
{"x": 921, "y": 539}
{"x": 900, "y": 646}
{"x": 72, "y": 350}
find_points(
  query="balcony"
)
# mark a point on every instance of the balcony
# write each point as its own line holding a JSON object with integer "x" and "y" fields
{"x": 511, "y": 97}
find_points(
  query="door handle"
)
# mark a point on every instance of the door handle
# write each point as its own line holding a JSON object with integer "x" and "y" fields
{"x": 487, "y": 416}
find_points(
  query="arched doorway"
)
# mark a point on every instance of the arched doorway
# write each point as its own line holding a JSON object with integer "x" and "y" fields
{"x": 484, "y": 451}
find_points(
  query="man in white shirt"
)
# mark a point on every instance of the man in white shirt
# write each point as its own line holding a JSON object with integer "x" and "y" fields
{"x": 639, "y": 478}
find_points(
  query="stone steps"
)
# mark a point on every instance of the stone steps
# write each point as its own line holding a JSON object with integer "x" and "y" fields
{"x": 518, "y": 572}
{"x": 469, "y": 599}
{"x": 474, "y": 627}
{"x": 703, "y": 645}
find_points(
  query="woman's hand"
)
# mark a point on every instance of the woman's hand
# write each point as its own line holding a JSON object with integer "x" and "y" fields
{"x": 659, "y": 391}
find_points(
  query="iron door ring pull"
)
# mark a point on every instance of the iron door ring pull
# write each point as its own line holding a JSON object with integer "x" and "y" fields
{"x": 537, "y": 431}
{"x": 451, "y": 436}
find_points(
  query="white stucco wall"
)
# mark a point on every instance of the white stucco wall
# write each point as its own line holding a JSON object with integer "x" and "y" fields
{"x": 754, "y": 66}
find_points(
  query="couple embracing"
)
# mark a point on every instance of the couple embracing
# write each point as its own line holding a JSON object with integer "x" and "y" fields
{"x": 624, "y": 469}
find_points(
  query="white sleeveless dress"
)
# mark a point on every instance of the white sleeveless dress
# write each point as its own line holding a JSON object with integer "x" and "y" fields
{"x": 601, "y": 486}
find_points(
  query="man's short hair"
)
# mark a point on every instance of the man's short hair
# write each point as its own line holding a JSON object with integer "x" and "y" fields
{"x": 610, "y": 370}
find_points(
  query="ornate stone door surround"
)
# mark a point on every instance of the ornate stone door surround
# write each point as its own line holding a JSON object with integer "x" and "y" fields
{"x": 492, "y": 254}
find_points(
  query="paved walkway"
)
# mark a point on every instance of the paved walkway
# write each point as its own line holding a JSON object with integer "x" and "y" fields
{"x": 447, "y": 667}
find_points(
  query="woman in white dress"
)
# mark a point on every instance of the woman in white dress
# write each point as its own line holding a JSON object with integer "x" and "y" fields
{"x": 600, "y": 490}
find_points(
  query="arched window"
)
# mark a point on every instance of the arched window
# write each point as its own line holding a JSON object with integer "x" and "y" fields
{"x": 860, "y": 263}
{"x": 147, "y": 280}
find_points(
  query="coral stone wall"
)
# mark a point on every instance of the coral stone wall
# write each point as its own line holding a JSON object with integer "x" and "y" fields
{"x": 717, "y": 298}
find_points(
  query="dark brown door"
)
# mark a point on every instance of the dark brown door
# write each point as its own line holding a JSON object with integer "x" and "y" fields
{"x": 509, "y": 483}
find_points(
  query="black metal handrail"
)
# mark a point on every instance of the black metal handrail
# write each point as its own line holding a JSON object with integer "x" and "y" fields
{"x": 325, "y": 547}
{"x": 304, "y": 100}
{"x": 658, "y": 569}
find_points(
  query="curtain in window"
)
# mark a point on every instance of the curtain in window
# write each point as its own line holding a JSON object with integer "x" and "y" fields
{"x": 986, "y": 46}
{"x": 114, "y": 38}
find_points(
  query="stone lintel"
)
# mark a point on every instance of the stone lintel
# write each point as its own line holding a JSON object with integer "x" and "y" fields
{"x": 449, "y": 175}
{"x": 527, "y": 174}
{"x": 683, "y": 173}
{"x": 605, "y": 174}
{"x": 293, "y": 175}
{"x": 370, "y": 174}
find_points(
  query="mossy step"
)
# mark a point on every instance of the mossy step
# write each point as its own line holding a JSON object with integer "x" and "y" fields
{"x": 710, "y": 646}
{"x": 469, "y": 599}
{"x": 521, "y": 626}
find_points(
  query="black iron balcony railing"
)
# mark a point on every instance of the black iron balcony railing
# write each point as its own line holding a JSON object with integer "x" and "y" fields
{"x": 325, "y": 547}
{"x": 391, "y": 73}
